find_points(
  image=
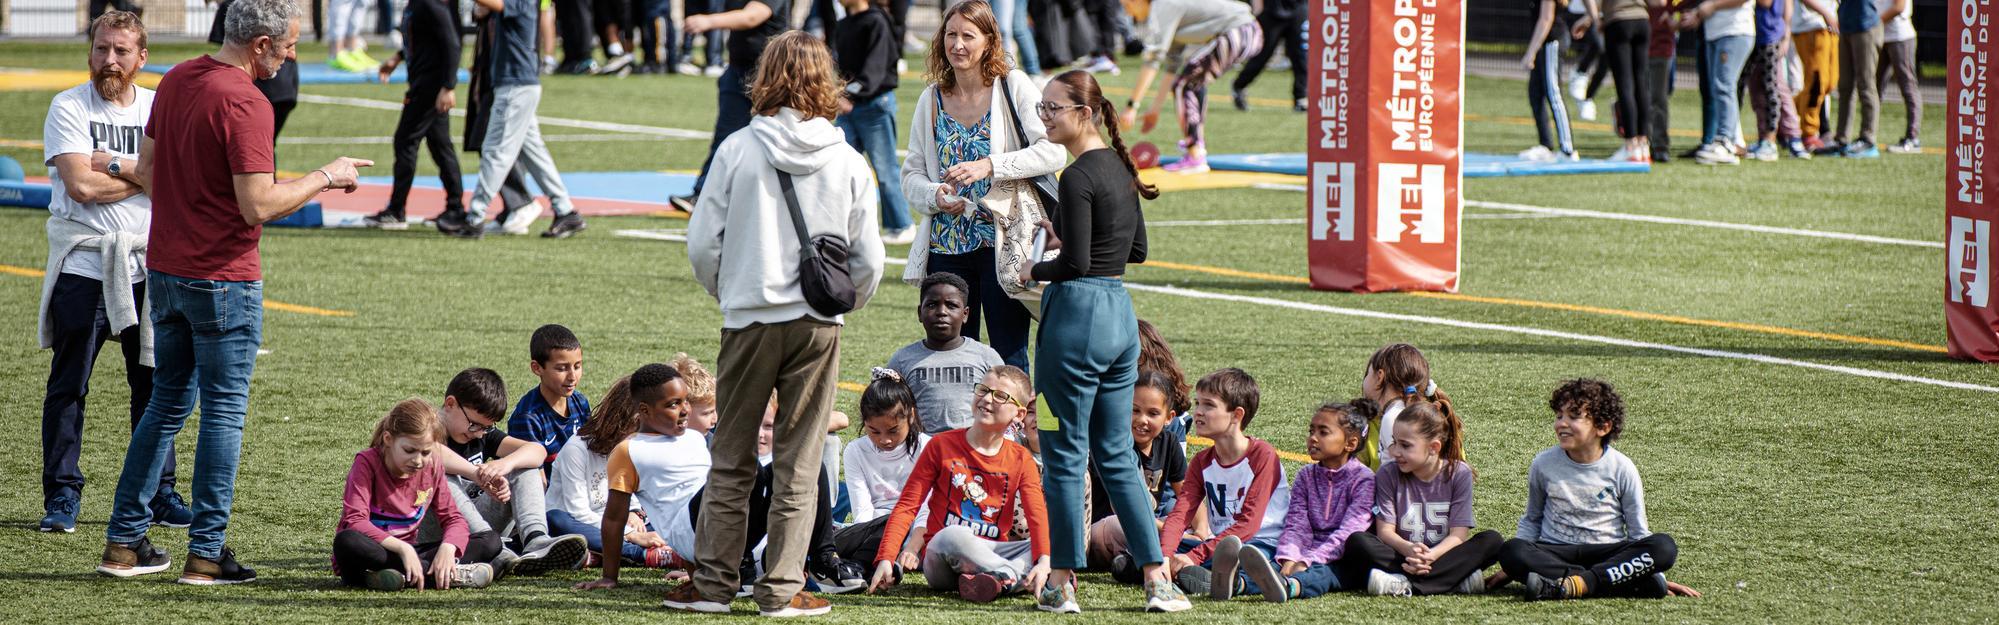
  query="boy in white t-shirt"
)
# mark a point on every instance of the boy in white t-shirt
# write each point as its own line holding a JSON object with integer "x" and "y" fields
{"x": 1898, "y": 60}
{"x": 99, "y": 215}
{"x": 663, "y": 466}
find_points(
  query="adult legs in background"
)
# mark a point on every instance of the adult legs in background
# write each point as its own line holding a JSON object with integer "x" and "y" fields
{"x": 572, "y": 20}
{"x": 1625, "y": 50}
{"x": 1544, "y": 97}
{"x": 870, "y": 129}
{"x": 421, "y": 122}
{"x": 1859, "y": 53}
{"x": 77, "y": 316}
{"x": 1088, "y": 362}
{"x": 1023, "y": 37}
{"x": 732, "y": 103}
{"x": 1203, "y": 67}
{"x": 1658, "y": 96}
{"x": 1728, "y": 55}
{"x": 1898, "y": 59}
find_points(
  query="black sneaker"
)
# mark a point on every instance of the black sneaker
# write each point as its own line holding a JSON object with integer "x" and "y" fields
{"x": 1194, "y": 580}
{"x": 1240, "y": 99}
{"x": 746, "y": 579}
{"x": 388, "y": 219}
{"x": 683, "y": 203}
{"x": 1831, "y": 148}
{"x": 835, "y": 575}
{"x": 61, "y": 513}
{"x": 132, "y": 559}
{"x": 457, "y": 224}
{"x": 565, "y": 553}
{"x": 201, "y": 571}
{"x": 170, "y": 510}
{"x": 1542, "y": 588}
{"x": 564, "y": 226}
{"x": 1124, "y": 570}
{"x": 1133, "y": 47}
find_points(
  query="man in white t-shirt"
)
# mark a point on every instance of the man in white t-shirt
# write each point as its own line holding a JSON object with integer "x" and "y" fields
{"x": 95, "y": 285}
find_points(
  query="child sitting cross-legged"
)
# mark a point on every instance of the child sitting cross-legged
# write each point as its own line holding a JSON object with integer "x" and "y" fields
{"x": 969, "y": 480}
{"x": 1331, "y": 500}
{"x": 1584, "y": 533}
{"x": 1422, "y": 541}
{"x": 878, "y": 467}
{"x": 1162, "y": 461}
{"x": 395, "y": 488}
{"x": 663, "y": 466}
{"x": 1237, "y": 482}
{"x": 499, "y": 477}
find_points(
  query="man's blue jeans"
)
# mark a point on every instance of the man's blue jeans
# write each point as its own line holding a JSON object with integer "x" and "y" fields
{"x": 205, "y": 338}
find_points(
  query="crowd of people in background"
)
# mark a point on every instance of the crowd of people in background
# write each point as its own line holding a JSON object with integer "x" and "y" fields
{"x": 1790, "y": 56}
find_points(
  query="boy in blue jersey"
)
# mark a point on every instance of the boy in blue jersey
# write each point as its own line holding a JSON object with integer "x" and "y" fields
{"x": 553, "y": 411}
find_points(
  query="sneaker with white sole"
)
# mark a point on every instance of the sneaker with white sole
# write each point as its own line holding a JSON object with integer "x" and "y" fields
{"x": 1384, "y": 583}
{"x": 544, "y": 554}
{"x": 801, "y": 604}
{"x": 200, "y": 571}
{"x": 713, "y": 71}
{"x": 1579, "y": 87}
{"x": 1586, "y": 110}
{"x": 1908, "y": 145}
{"x": 1102, "y": 65}
{"x": 1473, "y": 584}
{"x": 1163, "y": 596}
{"x": 1259, "y": 569}
{"x": 1537, "y": 154}
{"x": 133, "y": 559}
{"x": 476, "y": 575}
{"x": 1059, "y": 599}
{"x": 1764, "y": 151}
{"x": 1620, "y": 155}
{"x": 516, "y": 222}
{"x": 686, "y": 598}
{"x": 1716, "y": 154}
{"x": 904, "y": 236}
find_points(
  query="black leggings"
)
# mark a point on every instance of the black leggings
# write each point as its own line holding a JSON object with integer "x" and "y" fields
{"x": 1366, "y": 552}
{"x": 1625, "y": 43}
{"x": 1611, "y": 569}
{"x": 355, "y": 555}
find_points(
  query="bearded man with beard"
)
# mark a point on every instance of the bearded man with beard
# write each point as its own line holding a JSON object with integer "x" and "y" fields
{"x": 207, "y": 162}
{"x": 96, "y": 278}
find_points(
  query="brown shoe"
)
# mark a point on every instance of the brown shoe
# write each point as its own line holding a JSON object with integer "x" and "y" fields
{"x": 685, "y": 597}
{"x": 132, "y": 559}
{"x": 801, "y": 604}
{"x": 221, "y": 571}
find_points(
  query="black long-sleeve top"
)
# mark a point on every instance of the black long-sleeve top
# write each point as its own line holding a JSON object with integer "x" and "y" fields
{"x": 1099, "y": 222}
{"x": 865, "y": 49}
{"x": 431, "y": 45}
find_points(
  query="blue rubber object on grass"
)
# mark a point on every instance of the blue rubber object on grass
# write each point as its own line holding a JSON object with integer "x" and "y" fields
{"x": 10, "y": 170}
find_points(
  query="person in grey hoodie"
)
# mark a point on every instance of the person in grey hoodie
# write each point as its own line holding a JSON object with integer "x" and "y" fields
{"x": 772, "y": 340}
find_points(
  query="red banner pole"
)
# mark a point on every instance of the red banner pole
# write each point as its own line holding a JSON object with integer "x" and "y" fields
{"x": 1384, "y": 128}
{"x": 1972, "y": 323}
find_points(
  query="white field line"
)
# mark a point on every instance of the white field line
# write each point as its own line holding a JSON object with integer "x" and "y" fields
{"x": 1489, "y": 327}
{"x": 656, "y": 131}
{"x": 386, "y": 140}
{"x": 1672, "y": 221}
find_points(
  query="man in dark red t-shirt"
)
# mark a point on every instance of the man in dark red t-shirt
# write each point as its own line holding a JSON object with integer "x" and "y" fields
{"x": 207, "y": 163}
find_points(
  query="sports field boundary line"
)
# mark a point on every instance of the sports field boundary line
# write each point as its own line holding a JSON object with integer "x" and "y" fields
{"x": 1557, "y": 334}
{"x": 30, "y": 272}
{"x": 586, "y": 124}
{"x": 1493, "y": 327}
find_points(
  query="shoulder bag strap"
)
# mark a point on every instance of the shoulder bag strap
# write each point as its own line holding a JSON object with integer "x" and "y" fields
{"x": 797, "y": 216}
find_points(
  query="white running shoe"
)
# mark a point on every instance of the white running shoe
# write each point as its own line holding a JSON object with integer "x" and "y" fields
{"x": 1586, "y": 110}
{"x": 904, "y": 236}
{"x": 1579, "y": 87}
{"x": 518, "y": 221}
{"x": 686, "y": 69}
{"x": 1717, "y": 154}
{"x": 1538, "y": 154}
{"x": 1382, "y": 583}
{"x": 1620, "y": 155}
{"x": 713, "y": 71}
{"x": 1102, "y": 64}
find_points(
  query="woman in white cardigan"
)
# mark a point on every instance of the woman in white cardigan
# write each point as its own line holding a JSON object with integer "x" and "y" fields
{"x": 965, "y": 164}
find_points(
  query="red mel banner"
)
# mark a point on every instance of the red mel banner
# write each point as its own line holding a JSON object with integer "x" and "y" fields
{"x": 1382, "y": 142}
{"x": 1973, "y": 324}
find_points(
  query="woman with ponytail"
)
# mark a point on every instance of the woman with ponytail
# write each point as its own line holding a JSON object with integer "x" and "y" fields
{"x": 1087, "y": 358}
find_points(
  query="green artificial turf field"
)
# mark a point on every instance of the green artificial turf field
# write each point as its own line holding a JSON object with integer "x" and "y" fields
{"x": 1797, "y": 493}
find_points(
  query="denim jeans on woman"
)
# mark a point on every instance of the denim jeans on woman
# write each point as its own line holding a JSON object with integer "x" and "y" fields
{"x": 205, "y": 338}
{"x": 1726, "y": 56}
{"x": 871, "y": 130}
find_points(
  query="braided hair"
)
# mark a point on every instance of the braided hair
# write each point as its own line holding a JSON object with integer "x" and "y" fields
{"x": 1089, "y": 94}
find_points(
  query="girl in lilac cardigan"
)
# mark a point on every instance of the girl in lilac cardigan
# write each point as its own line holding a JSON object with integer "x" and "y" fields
{"x": 1329, "y": 501}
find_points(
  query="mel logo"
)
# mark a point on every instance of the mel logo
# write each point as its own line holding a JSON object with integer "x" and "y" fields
{"x": 1405, "y": 190}
{"x": 1332, "y": 201}
{"x": 1970, "y": 261}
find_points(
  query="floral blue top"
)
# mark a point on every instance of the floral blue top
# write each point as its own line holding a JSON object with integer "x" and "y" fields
{"x": 960, "y": 234}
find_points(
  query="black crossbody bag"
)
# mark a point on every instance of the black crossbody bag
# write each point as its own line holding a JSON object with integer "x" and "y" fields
{"x": 822, "y": 262}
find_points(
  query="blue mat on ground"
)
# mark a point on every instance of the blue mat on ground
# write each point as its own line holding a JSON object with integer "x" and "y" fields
{"x": 320, "y": 74}
{"x": 631, "y": 186}
{"x": 1476, "y": 165}
{"x": 25, "y": 194}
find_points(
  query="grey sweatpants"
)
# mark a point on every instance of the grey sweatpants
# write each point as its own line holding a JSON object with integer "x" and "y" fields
{"x": 513, "y": 136}
{"x": 955, "y": 550}
{"x": 1859, "y": 54}
{"x": 523, "y": 514}
{"x": 1898, "y": 61}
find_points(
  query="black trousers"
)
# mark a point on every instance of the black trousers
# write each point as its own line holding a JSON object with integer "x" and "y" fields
{"x": 1625, "y": 43}
{"x": 422, "y": 123}
{"x": 76, "y": 310}
{"x": 1366, "y": 552}
{"x": 1610, "y": 569}
{"x": 1104, "y": 21}
{"x": 861, "y": 541}
{"x": 572, "y": 23}
{"x": 1290, "y": 35}
{"x": 1056, "y": 26}
{"x": 759, "y": 518}
{"x": 355, "y": 555}
{"x": 100, "y": 7}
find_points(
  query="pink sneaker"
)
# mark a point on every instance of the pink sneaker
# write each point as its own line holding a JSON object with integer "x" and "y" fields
{"x": 1188, "y": 165}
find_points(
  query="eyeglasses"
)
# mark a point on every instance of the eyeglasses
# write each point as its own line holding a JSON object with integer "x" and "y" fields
{"x": 475, "y": 428}
{"x": 998, "y": 395}
{"x": 1048, "y": 109}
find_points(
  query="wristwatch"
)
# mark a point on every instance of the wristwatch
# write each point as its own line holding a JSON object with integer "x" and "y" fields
{"x": 114, "y": 168}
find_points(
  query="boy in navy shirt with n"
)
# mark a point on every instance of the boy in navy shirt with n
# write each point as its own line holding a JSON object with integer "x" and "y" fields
{"x": 553, "y": 411}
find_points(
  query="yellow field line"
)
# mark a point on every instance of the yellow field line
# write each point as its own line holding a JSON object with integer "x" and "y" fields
{"x": 30, "y": 272}
{"x": 1292, "y": 456}
{"x": 1595, "y": 310}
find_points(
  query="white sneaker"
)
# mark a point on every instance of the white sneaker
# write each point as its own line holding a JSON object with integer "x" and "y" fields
{"x": 903, "y": 236}
{"x": 472, "y": 575}
{"x": 1579, "y": 87}
{"x": 1620, "y": 155}
{"x": 1101, "y": 65}
{"x": 1473, "y": 584}
{"x": 1538, "y": 154}
{"x": 517, "y": 222}
{"x": 1717, "y": 154}
{"x": 617, "y": 63}
{"x": 1382, "y": 583}
{"x": 1586, "y": 110}
{"x": 686, "y": 69}
{"x": 713, "y": 71}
